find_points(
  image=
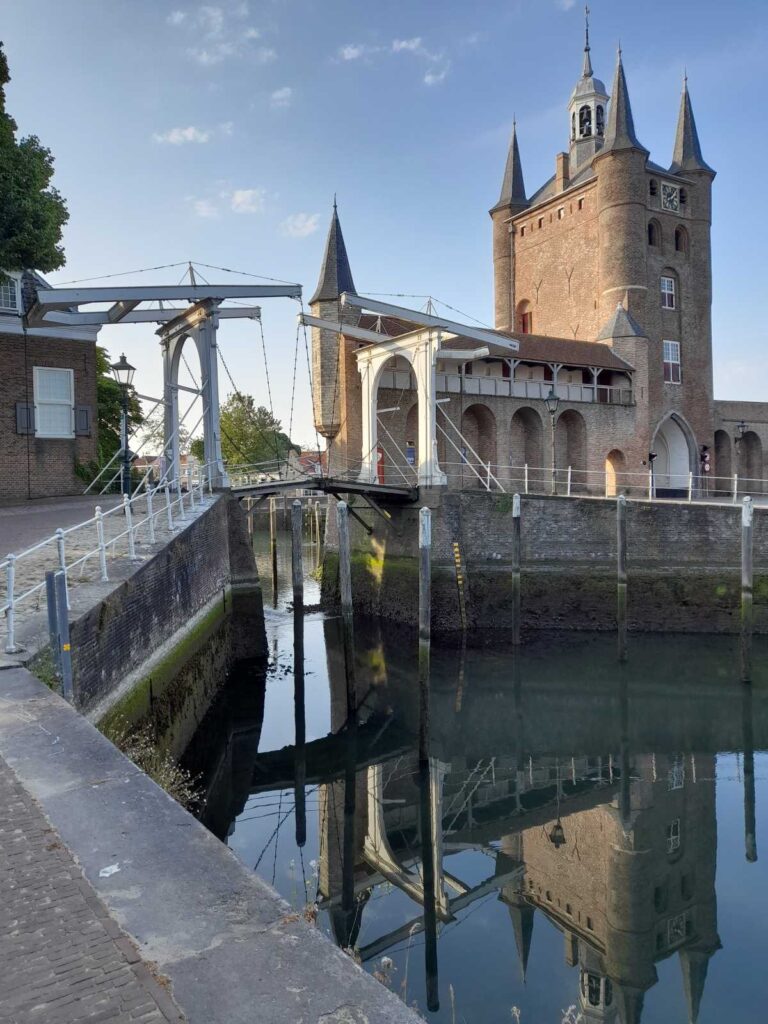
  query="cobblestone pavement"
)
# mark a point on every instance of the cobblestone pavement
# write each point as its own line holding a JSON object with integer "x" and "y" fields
{"x": 30, "y": 570}
{"x": 62, "y": 958}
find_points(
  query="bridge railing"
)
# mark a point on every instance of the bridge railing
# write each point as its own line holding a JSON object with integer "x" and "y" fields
{"x": 83, "y": 551}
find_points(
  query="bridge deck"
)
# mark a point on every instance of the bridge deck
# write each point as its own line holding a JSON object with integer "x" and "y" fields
{"x": 329, "y": 485}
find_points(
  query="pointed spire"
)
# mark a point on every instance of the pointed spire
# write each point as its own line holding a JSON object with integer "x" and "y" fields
{"x": 513, "y": 186}
{"x": 587, "y": 72}
{"x": 694, "y": 964}
{"x": 521, "y": 913}
{"x": 629, "y": 1002}
{"x": 335, "y": 274}
{"x": 620, "y": 132}
{"x": 687, "y": 155}
{"x": 621, "y": 325}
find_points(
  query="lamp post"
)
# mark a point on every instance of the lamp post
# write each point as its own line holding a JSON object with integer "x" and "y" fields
{"x": 123, "y": 373}
{"x": 742, "y": 429}
{"x": 552, "y": 402}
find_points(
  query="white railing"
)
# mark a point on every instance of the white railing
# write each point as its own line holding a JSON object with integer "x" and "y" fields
{"x": 503, "y": 387}
{"x": 100, "y": 536}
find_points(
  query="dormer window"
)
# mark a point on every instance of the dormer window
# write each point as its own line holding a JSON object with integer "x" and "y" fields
{"x": 600, "y": 120}
{"x": 585, "y": 122}
{"x": 10, "y": 298}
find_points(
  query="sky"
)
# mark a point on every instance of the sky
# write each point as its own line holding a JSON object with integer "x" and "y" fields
{"x": 219, "y": 133}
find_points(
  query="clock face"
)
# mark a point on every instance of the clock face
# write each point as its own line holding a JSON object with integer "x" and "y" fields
{"x": 670, "y": 197}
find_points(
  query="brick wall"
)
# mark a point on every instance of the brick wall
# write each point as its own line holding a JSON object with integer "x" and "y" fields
{"x": 32, "y": 467}
{"x": 119, "y": 633}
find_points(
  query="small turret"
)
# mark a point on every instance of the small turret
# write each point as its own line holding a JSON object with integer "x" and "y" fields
{"x": 335, "y": 273}
{"x": 512, "y": 186}
{"x": 687, "y": 155}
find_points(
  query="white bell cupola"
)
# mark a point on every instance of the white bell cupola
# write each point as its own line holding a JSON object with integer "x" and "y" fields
{"x": 587, "y": 110}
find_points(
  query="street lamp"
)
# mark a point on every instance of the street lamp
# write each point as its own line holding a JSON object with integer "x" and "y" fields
{"x": 123, "y": 373}
{"x": 552, "y": 401}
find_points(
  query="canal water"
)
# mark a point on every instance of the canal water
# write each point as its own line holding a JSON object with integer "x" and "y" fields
{"x": 583, "y": 842}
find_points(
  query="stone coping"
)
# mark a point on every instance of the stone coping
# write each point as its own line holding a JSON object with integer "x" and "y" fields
{"x": 232, "y": 949}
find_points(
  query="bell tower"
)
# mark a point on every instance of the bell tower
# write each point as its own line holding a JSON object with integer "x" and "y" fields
{"x": 586, "y": 109}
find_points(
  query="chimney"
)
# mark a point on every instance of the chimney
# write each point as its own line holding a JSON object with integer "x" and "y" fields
{"x": 562, "y": 172}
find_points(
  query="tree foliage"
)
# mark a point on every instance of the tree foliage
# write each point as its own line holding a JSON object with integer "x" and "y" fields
{"x": 250, "y": 433}
{"x": 32, "y": 212}
{"x": 109, "y": 407}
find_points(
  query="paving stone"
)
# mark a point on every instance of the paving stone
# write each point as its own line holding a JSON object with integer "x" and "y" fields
{"x": 64, "y": 960}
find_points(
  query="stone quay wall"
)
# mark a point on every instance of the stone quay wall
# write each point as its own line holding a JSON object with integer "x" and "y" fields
{"x": 683, "y": 563}
{"x": 180, "y": 593}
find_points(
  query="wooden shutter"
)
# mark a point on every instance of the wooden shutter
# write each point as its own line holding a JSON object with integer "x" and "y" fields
{"x": 83, "y": 421}
{"x": 25, "y": 418}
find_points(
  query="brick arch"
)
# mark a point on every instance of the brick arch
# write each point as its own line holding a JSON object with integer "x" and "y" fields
{"x": 571, "y": 448}
{"x": 526, "y": 445}
{"x": 655, "y": 237}
{"x": 524, "y": 316}
{"x": 615, "y": 465}
{"x": 723, "y": 470}
{"x": 751, "y": 463}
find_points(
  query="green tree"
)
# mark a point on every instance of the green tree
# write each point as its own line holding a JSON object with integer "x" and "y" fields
{"x": 250, "y": 433}
{"x": 32, "y": 213}
{"x": 153, "y": 433}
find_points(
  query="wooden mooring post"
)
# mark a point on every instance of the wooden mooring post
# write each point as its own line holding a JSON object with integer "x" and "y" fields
{"x": 621, "y": 575}
{"x": 746, "y": 590}
{"x": 297, "y": 569}
{"x": 300, "y": 730}
{"x": 425, "y": 627}
{"x": 273, "y": 546}
{"x": 345, "y": 593}
{"x": 748, "y": 743}
{"x": 516, "y": 563}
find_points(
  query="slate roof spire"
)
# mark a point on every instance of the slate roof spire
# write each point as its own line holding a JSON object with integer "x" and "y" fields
{"x": 587, "y": 72}
{"x": 513, "y": 186}
{"x": 621, "y": 325}
{"x": 687, "y": 155}
{"x": 620, "y": 131}
{"x": 335, "y": 273}
{"x": 521, "y": 914}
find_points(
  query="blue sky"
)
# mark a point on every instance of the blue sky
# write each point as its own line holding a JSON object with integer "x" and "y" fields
{"x": 219, "y": 132}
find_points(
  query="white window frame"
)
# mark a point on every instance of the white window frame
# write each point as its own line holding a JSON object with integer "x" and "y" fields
{"x": 672, "y": 832}
{"x": 676, "y": 773}
{"x": 673, "y": 350}
{"x": 668, "y": 289}
{"x": 15, "y": 282}
{"x": 36, "y": 371}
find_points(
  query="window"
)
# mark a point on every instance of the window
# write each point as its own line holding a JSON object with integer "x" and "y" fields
{"x": 683, "y": 197}
{"x": 9, "y": 295}
{"x": 681, "y": 240}
{"x": 600, "y": 120}
{"x": 672, "y": 832}
{"x": 573, "y": 127}
{"x": 54, "y": 402}
{"x": 585, "y": 122}
{"x": 676, "y": 930}
{"x": 676, "y": 773}
{"x": 541, "y": 222}
{"x": 668, "y": 293}
{"x": 672, "y": 376}
{"x": 653, "y": 187}
{"x": 593, "y": 989}
{"x": 654, "y": 234}
{"x": 561, "y": 213}
{"x": 522, "y": 231}
{"x": 526, "y": 323}
{"x": 581, "y": 204}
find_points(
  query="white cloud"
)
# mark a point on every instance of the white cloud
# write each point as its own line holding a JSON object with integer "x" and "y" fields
{"x": 247, "y": 200}
{"x": 176, "y": 17}
{"x": 435, "y": 76}
{"x": 566, "y": 5}
{"x": 181, "y": 136}
{"x": 216, "y": 33}
{"x": 205, "y": 208}
{"x": 354, "y": 51}
{"x": 210, "y": 20}
{"x": 281, "y": 97}
{"x": 265, "y": 54}
{"x": 414, "y": 45}
{"x": 299, "y": 225}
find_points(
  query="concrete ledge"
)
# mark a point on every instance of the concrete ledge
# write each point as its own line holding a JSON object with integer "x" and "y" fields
{"x": 232, "y": 949}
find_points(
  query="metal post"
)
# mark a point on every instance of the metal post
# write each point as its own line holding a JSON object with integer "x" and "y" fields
{"x": 273, "y": 547}
{"x": 126, "y": 481}
{"x": 317, "y": 528}
{"x": 568, "y": 482}
{"x": 191, "y": 490}
{"x": 168, "y": 507}
{"x": 621, "y": 574}
{"x": 606, "y": 483}
{"x": 62, "y": 558}
{"x": 650, "y": 484}
{"x": 62, "y": 617}
{"x": 748, "y": 743}
{"x": 345, "y": 590}
{"x": 299, "y": 717}
{"x": 180, "y": 496}
{"x": 10, "y": 644}
{"x": 297, "y": 570}
{"x": 746, "y": 590}
{"x": 690, "y": 486}
{"x": 525, "y": 477}
{"x": 53, "y": 621}
{"x": 488, "y": 478}
{"x": 150, "y": 516}
{"x": 516, "y": 562}
{"x": 129, "y": 524}
{"x": 102, "y": 545}
{"x": 552, "y": 453}
{"x": 735, "y": 487}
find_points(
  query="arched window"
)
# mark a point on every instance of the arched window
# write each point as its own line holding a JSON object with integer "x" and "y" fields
{"x": 585, "y": 122}
{"x": 573, "y": 127}
{"x": 681, "y": 239}
{"x": 600, "y": 120}
{"x": 683, "y": 197}
{"x": 524, "y": 317}
{"x": 653, "y": 187}
{"x": 654, "y": 234}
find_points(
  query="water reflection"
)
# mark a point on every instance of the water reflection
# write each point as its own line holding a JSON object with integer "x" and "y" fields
{"x": 566, "y": 811}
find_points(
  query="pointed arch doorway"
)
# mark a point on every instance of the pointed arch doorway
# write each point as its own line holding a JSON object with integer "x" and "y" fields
{"x": 673, "y": 459}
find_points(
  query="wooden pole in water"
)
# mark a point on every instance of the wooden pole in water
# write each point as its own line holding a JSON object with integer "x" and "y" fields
{"x": 299, "y": 718}
{"x": 350, "y": 774}
{"x": 273, "y": 546}
{"x": 746, "y": 590}
{"x": 750, "y": 817}
{"x": 297, "y": 569}
{"x": 516, "y": 562}
{"x": 621, "y": 574}
{"x": 345, "y": 590}
{"x": 317, "y": 528}
{"x": 425, "y": 627}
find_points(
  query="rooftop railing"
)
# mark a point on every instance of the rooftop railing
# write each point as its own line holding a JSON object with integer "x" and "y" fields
{"x": 503, "y": 387}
